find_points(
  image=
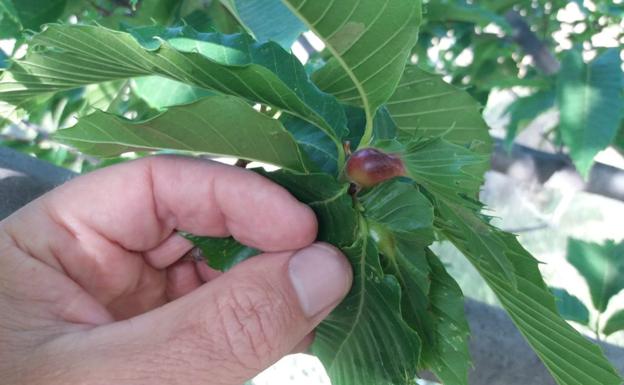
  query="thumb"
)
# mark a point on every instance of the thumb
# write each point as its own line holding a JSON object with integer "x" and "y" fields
{"x": 231, "y": 328}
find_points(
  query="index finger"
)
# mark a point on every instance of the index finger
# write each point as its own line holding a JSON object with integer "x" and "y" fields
{"x": 139, "y": 204}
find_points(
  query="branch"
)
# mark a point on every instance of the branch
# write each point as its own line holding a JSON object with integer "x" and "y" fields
{"x": 544, "y": 60}
{"x": 526, "y": 163}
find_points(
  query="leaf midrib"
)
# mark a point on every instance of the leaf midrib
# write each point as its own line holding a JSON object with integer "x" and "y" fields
{"x": 358, "y": 315}
{"x": 340, "y": 60}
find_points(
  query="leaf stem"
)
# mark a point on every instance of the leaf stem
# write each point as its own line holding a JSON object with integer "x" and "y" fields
{"x": 367, "y": 137}
{"x": 597, "y": 327}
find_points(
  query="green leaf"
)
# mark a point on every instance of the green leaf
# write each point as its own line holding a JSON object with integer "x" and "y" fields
{"x": 330, "y": 200}
{"x": 7, "y": 9}
{"x": 400, "y": 221}
{"x": 333, "y": 206}
{"x": 525, "y": 110}
{"x": 70, "y": 56}
{"x": 160, "y": 92}
{"x": 400, "y": 209}
{"x": 365, "y": 341}
{"x": 370, "y": 42}
{"x": 448, "y": 171}
{"x": 269, "y": 20}
{"x": 32, "y": 14}
{"x": 590, "y": 99}
{"x": 570, "y": 357}
{"x": 315, "y": 143}
{"x": 602, "y": 266}
{"x": 424, "y": 105}
{"x": 222, "y": 253}
{"x": 383, "y": 125}
{"x": 570, "y": 307}
{"x": 449, "y": 357}
{"x": 197, "y": 127}
{"x": 4, "y": 60}
{"x": 614, "y": 324}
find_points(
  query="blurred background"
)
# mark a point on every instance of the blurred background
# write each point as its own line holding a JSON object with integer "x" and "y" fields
{"x": 549, "y": 75}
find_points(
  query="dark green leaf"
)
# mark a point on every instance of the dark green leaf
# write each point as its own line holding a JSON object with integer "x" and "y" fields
{"x": 400, "y": 221}
{"x": 383, "y": 125}
{"x": 448, "y": 357}
{"x": 222, "y": 253}
{"x": 444, "y": 11}
{"x": 4, "y": 60}
{"x": 365, "y": 341}
{"x": 222, "y": 125}
{"x": 527, "y": 109}
{"x": 570, "y": 307}
{"x": 32, "y": 14}
{"x": 590, "y": 102}
{"x": 602, "y": 266}
{"x": 614, "y": 324}
{"x": 314, "y": 142}
{"x": 338, "y": 221}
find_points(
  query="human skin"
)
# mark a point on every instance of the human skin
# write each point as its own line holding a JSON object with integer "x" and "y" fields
{"x": 93, "y": 290}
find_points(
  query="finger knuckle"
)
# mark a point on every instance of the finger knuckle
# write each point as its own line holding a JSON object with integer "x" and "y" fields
{"x": 251, "y": 317}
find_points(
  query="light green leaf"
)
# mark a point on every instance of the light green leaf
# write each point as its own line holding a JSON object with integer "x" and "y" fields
{"x": 570, "y": 357}
{"x": 370, "y": 42}
{"x": 570, "y": 307}
{"x": 234, "y": 64}
{"x": 424, "y": 105}
{"x": 159, "y": 92}
{"x": 365, "y": 341}
{"x": 222, "y": 125}
{"x": 590, "y": 101}
{"x": 448, "y": 171}
{"x": 614, "y": 324}
{"x": 602, "y": 266}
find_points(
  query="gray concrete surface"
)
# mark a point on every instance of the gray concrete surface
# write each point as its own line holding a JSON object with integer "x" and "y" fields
{"x": 24, "y": 178}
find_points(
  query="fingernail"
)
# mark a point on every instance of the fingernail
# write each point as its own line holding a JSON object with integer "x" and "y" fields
{"x": 321, "y": 276}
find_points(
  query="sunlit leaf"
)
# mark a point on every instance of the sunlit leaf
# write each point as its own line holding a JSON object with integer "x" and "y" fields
{"x": 231, "y": 127}
{"x": 602, "y": 266}
{"x": 590, "y": 101}
{"x": 370, "y": 42}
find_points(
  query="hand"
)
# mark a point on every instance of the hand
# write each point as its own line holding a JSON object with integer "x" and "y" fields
{"x": 93, "y": 291}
